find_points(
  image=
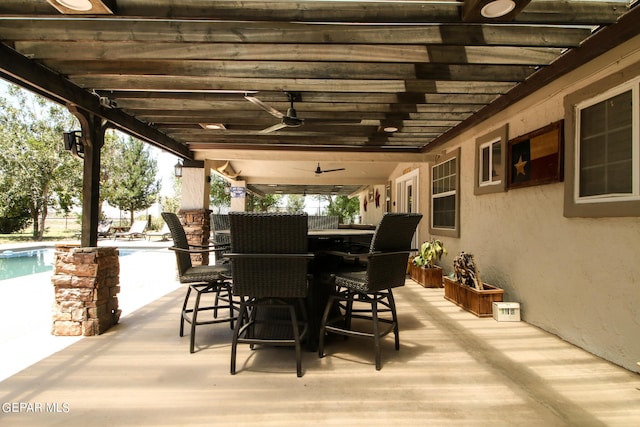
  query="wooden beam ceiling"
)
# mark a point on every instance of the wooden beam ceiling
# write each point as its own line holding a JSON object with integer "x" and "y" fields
{"x": 160, "y": 69}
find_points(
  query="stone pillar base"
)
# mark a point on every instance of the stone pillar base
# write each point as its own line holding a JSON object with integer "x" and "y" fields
{"x": 86, "y": 287}
{"x": 197, "y": 227}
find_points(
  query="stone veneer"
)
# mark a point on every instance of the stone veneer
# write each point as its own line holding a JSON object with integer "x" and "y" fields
{"x": 197, "y": 227}
{"x": 86, "y": 287}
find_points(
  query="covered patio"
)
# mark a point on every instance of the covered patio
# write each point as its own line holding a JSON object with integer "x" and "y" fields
{"x": 386, "y": 89}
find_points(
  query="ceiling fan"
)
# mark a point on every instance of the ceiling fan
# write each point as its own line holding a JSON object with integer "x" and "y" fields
{"x": 319, "y": 170}
{"x": 290, "y": 119}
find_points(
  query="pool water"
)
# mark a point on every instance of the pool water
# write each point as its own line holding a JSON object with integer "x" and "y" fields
{"x": 22, "y": 263}
{"x": 25, "y": 262}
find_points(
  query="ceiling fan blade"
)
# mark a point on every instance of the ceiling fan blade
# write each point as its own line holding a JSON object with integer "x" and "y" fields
{"x": 273, "y": 128}
{"x": 332, "y": 121}
{"x": 333, "y": 170}
{"x": 269, "y": 109}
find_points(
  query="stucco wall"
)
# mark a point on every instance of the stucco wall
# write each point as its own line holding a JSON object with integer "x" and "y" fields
{"x": 578, "y": 278}
{"x": 372, "y": 214}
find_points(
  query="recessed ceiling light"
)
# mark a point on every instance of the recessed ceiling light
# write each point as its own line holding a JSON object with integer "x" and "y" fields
{"x": 213, "y": 126}
{"x": 93, "y": 7}
{"x": 497, "y": 8}
{"x": 390, "y": 129}
{"x": 82, "y": 5}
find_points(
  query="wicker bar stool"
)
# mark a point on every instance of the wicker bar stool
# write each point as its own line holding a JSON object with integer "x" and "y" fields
{"x": 386, "y": 268}
{"x": 201, "y": 280}
{"x": 269, "y": 260}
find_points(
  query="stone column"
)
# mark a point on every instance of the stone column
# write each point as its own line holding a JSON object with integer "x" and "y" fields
{"x": 86, "y": 283}
{"x": 197, "y": 227}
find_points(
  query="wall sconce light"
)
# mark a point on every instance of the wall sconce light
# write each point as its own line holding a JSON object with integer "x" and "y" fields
{"x": 177, "y": 169}
{"x": 73, "y": 143}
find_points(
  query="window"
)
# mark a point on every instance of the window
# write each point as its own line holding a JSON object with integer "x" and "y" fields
{"x": 603, "y": 148}
{"x": 445, "y": 202}
{"x": 491, "y": 156}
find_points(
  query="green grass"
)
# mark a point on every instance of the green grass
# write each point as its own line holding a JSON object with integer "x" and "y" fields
{"x": 56, "y": 229}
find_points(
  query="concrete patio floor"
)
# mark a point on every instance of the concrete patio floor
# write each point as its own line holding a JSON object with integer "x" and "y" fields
{"x": 453, "y": 369}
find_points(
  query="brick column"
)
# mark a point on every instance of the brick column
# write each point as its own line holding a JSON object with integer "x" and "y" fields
{"x": 197, "y": 227}
{"x": 86, "y": 282}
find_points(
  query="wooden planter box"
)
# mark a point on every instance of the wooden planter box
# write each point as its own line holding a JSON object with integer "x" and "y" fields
{"x": 477, "y": 302}
{"x": 427, "y": 277}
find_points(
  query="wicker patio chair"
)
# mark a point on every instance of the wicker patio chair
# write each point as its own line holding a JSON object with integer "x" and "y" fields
{"x": 386, "y": 268}
{"x": 220, "y": 233}
{"x": 269, "y": 260}
{"x": 203, "y": 279}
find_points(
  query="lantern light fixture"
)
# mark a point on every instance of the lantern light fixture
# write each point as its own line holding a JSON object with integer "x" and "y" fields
{"x": 177, "y": 169}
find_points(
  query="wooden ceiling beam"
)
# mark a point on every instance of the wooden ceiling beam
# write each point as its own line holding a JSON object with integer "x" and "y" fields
{"x": 294, "y": 52}
{"x": 584, "y": 12}
{"x": 295, "y": 33}
{"x": 288, "y": 70}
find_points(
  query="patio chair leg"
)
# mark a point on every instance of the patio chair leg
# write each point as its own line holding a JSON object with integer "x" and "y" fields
{"x": 219, "y": 289}
{"x": 323, "y": 323}
{"x": 194, "y": 321}
{"x": 296, "y": 337}
{"x": 236, "y": 332}
{"x": 376, "y": 331}
{"x": 394, "y": 316}
{"x": 184, "y": 311}
{"x": 348, "y": 310}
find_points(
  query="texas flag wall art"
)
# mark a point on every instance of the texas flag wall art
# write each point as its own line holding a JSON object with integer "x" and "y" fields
{"x": 535, "y": 158}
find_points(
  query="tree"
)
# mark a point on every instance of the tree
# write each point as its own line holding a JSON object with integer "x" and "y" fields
{"x": 37, "y": 173}
{"x": 172, "y": 203}
{"x": 219, "y": 192}
{"x": 268, "y": 203}
{"x": 295, "y": 203}
{"x": 343, "y": 206}
{"x": 132, "y": 184}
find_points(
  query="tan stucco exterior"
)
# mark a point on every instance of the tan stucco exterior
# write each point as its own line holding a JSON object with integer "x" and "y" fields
{"x": 578, "y": 278}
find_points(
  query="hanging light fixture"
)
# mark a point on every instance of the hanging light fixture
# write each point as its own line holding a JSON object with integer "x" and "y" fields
{"x": 177, "y": 169}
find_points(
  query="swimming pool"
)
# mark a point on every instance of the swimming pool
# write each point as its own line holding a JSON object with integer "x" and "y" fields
{"x": 25, "y": 262}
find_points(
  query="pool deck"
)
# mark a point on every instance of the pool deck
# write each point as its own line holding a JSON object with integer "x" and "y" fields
{"x": 26, "y": 341}
{"x": 453, "y": 369}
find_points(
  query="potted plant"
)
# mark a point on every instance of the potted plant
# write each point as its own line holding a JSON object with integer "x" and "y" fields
{"x": 423, "y": 266}
{"x": 467, "y": 290}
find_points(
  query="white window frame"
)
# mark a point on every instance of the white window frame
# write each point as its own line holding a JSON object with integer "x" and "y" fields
{"x": 603, "y": 205}
{"x": 447, "y": 232}
{"x": 481, "y": 149}
{"x": 632, "y": 86}
{"x": 498, "y": 136}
